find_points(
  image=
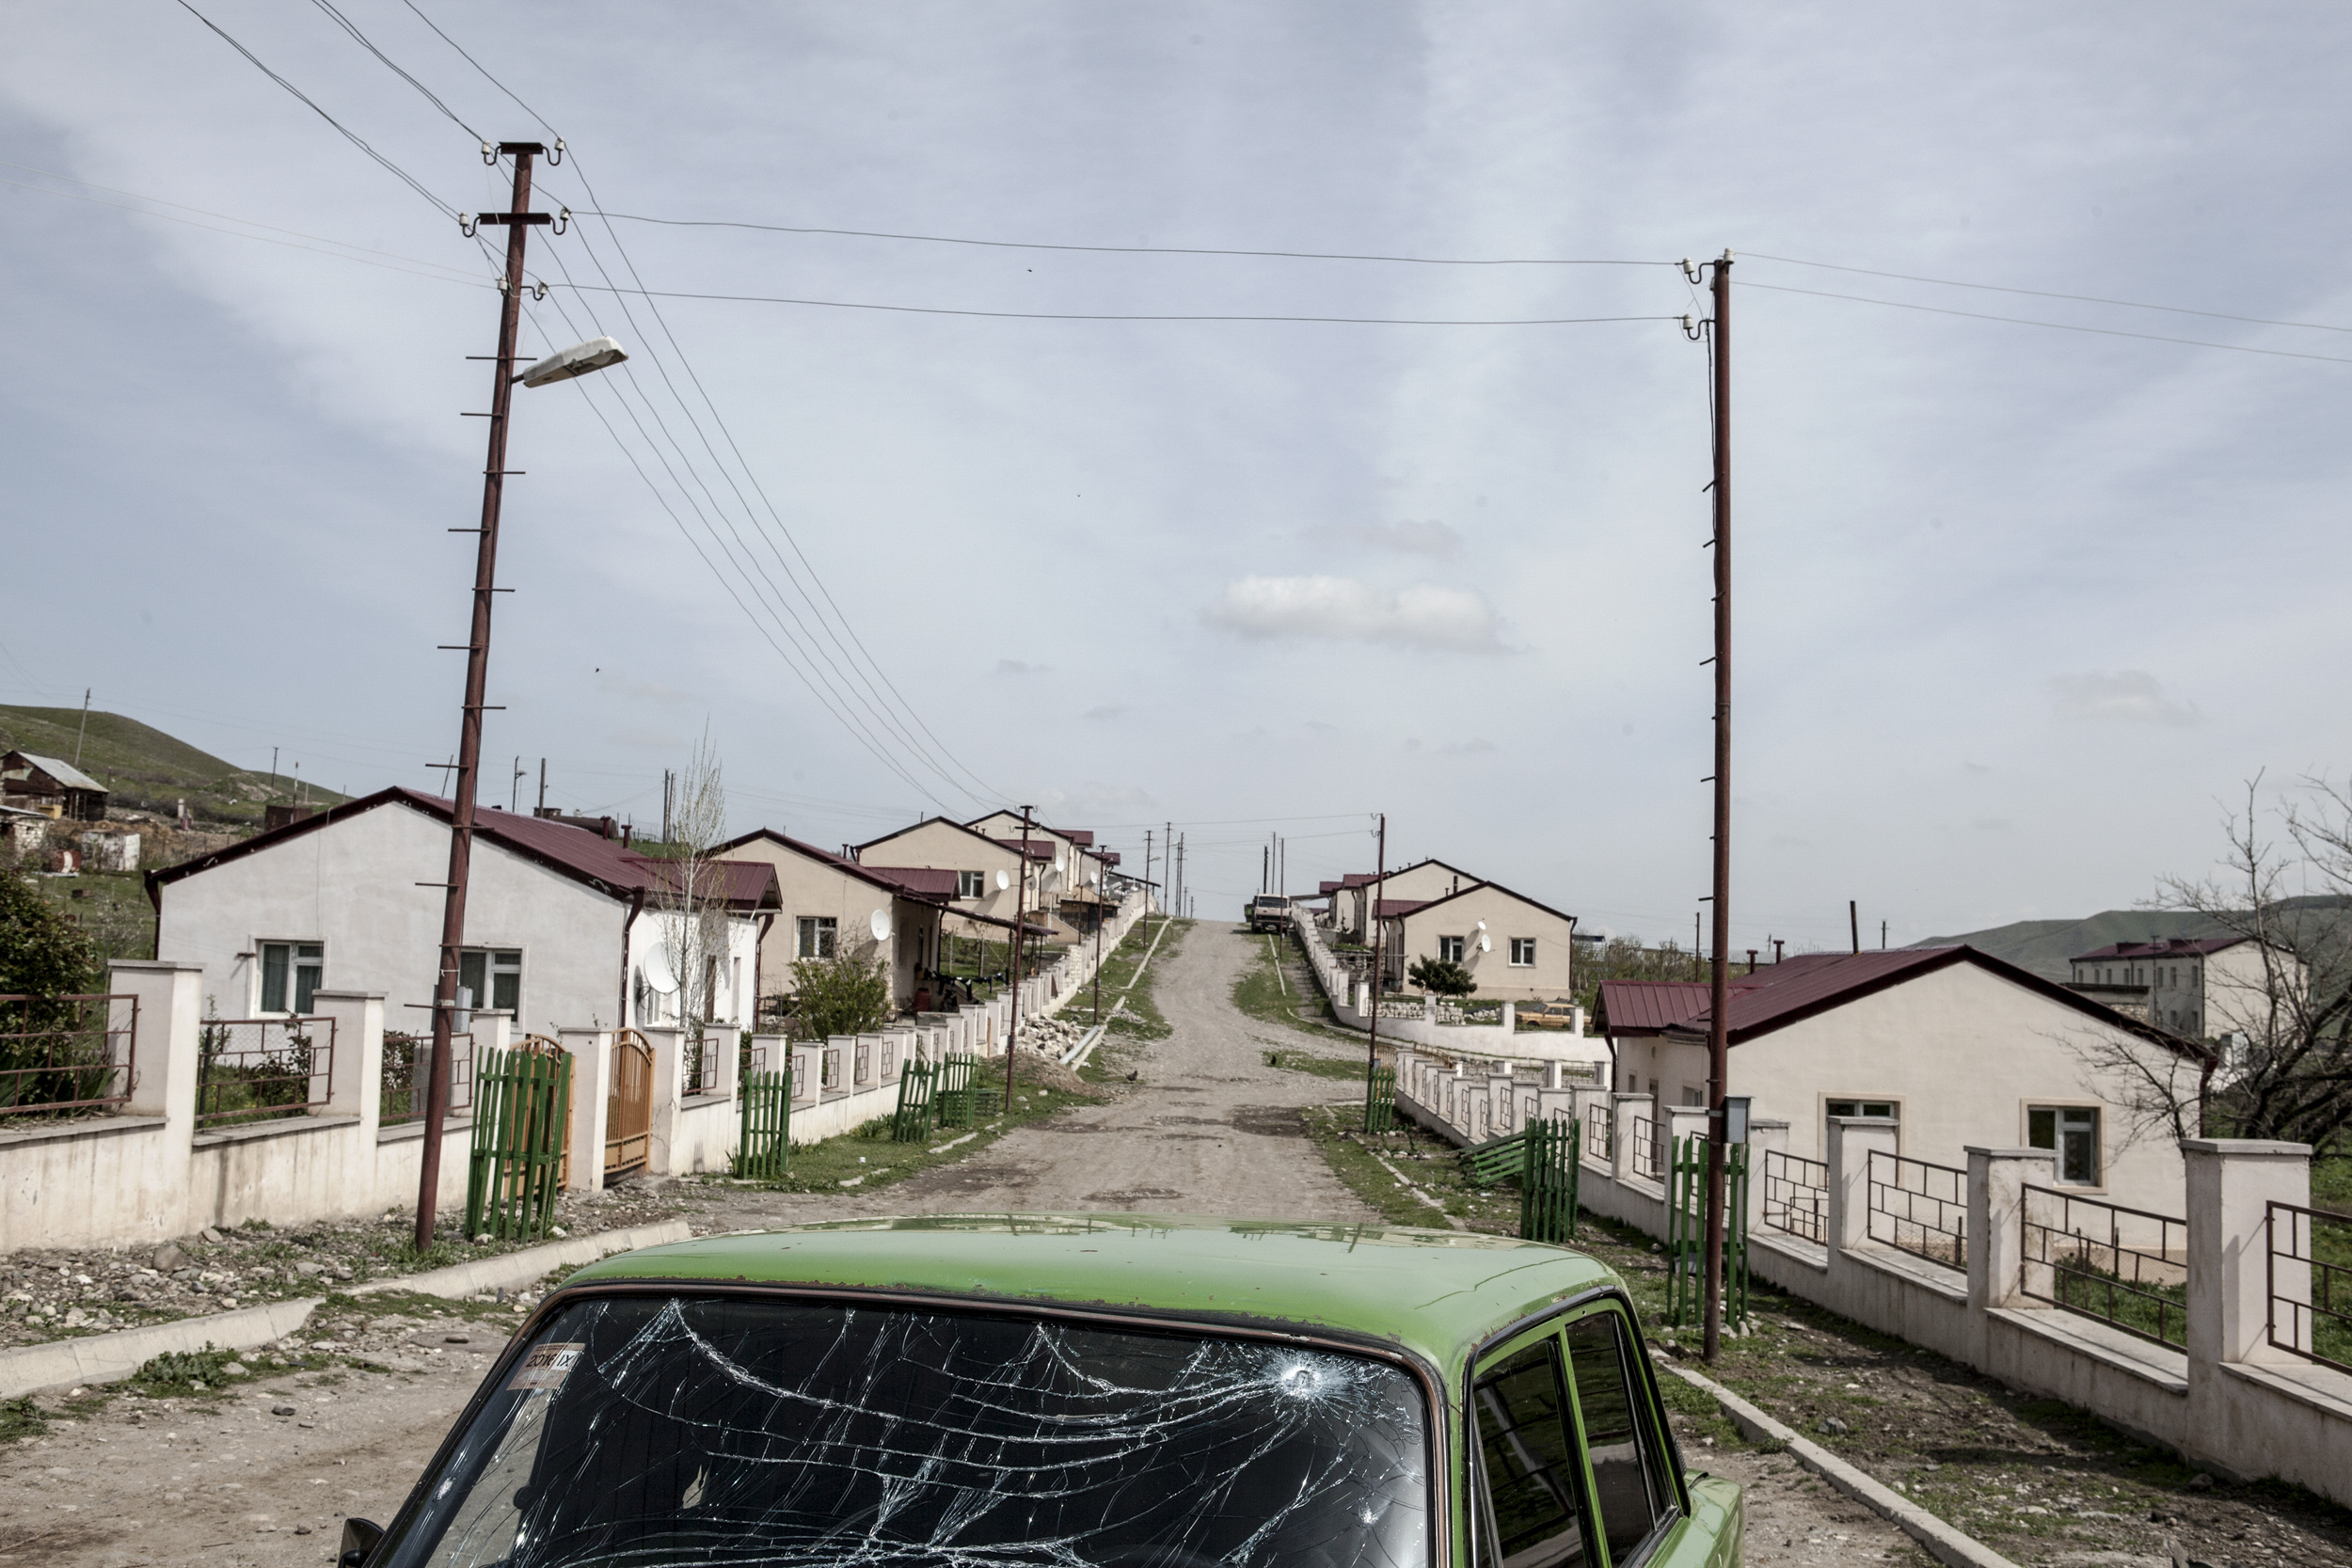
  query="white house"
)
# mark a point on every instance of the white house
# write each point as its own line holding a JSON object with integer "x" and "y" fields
{"x": 2205, "y": 987}
{"x": 1515, "y": 948}
{"x": 565, "y": 926}
{"x": 1959, "y": 1048}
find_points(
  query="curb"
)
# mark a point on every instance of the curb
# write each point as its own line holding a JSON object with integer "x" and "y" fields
{"x": 110, "y": 1357}
{"x": 1945, "y": 1543}
{"x": 520, "y": 1268}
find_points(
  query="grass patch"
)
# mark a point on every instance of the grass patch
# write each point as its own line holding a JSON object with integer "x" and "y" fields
{"x": 1277, "y": 988}
{"x": 1292, "y": 1060}
{"x": 1141, "y": 1019}
{"x": 22, "y": 1417}
{"x": 867, "y": 1156}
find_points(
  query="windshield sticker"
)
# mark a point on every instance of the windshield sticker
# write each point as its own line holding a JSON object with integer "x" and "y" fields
{"x": 546, "y": 1365}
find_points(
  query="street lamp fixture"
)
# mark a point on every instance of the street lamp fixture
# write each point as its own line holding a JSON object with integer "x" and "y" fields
{"x": 579, "y": 360}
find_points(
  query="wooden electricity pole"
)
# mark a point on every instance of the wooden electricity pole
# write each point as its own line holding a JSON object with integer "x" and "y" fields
{"x": 518, "y": 219}
{"x": 1379, "y": 885}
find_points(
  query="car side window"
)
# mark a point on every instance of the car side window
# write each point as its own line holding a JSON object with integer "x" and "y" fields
{"x": 1535, "y": 1515}
{"x": 1631, "y": 1489}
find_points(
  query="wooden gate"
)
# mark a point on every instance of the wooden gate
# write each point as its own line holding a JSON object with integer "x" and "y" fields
{"x": 521, "y": 1125}
{"x": 629, "y": 1108}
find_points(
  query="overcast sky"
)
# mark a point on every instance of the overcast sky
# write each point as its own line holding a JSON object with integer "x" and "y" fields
{"x": 2018, "y": 609}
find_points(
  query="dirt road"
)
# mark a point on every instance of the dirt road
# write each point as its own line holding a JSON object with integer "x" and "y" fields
{"x": 266, "y": 1477}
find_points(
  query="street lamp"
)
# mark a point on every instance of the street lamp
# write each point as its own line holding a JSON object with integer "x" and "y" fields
{"x": 581, "y": 359}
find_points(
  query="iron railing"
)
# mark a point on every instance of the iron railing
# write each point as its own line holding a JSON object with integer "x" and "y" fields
{"x": 67, "y": 1052}
{"x": 1601, "y": 1132}
{"x": 251, "y": 1069}
{"x": 407, "y": 1057}
{"x": 829, "y": 1068}
{"x": 1920, "y": 1207}
{"x": 1648, "y": 1156}
{"x": 2126, "y": 1267}
{"x": 1796, "y": 1196}
{"x": 2310, "y": 1276}
{"x": 698, "y": 1064}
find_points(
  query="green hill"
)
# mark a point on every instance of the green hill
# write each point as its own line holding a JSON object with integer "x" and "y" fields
{"x": 2044, "y": 946}
{"x": 148, "y": 770}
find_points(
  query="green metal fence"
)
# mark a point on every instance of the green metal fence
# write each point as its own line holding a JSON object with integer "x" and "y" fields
{"x": 1548, "y": 1182}
{"x": 917, "y": 1103}
{"x": 1494, "y": 1160}
{"x": 522, "y": 1113}
{"x": 1380, "y": 1099}
{"x": 953, "y": 1094}
{"x": 1686, "y": 1232}
{"x": 764, "y": 1151}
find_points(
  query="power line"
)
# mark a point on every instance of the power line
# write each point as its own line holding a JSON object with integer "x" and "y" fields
{"x": 361, "y": 39}
{"x": 2047, "y": 294}
{"x": 1140, "y": 249}
{"x": 2055, "y": 326}
{"x": 1105, "y": 316}
{"x": 347, "y": 134}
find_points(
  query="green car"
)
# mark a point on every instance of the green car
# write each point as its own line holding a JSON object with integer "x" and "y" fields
{"x": 1081, "y": 1391}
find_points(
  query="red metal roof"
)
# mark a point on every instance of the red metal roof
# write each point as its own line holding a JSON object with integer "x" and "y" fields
{"x": 1648, "y": 1006}
{"x": 1396, "y": 909}
{"x": 1036, "y": 848}
{"x": 923, "y": 881}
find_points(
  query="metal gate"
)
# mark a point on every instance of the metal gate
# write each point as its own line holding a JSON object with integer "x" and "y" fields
{"x": 628, "y": 1107}
{"x": 1548, "y": 1182}
{"x": 522, "y": 1122}
{"x": 1686, "y": 1231}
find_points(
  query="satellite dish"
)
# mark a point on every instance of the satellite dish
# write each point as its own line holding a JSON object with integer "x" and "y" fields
{"x": 1050, "y": 882}
{"x": 1481, "y": 927}
{"x": 879, "y": 923}
{"x": 655, "y": 968}
{"x": 1004, "y": 880}
{"x": 1058, "y": 861}
{"x": 1485, "y": 942}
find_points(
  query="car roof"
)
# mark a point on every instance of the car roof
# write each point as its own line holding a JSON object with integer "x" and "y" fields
{"x": 1436, "y": 1292}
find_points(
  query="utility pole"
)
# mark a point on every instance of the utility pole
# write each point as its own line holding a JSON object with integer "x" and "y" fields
{"x": 84, "y": 730}
{"x": 1854, "y": 922}
{"x": 518, "y": 219}
{"x": 1719, "y": 1021}
{"x": 1168, "y": 871}
{"x": 541, "y": 809}
{"x": 1147, "y": 870}
{"x": 669, "y": 782}
{"x": 273, "y": 772}
{"x": 1379, "y": 884}
{"x": 515, "y": 787}
{"x": 1020, "y": 920}
{"x": 1882, "y": 936}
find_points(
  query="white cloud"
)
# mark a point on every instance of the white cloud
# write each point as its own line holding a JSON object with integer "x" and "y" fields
{"x": 1016, "y": 667}
{"x": 2129, "y": 694}
{"x": 1341, "y": 608}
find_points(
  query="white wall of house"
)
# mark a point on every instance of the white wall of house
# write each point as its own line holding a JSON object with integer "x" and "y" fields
{"x": 1507, "y": 916}
{"x": 351, "y": 886}
{"x": 944, "y": 845}
{"x": 662, "y": 932}
{"x": 815, "y": 892}
{"x": 1960, "y": 1051}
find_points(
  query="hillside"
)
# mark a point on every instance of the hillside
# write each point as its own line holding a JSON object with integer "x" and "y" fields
{"x": 147, "y": 770}
{"x": 2044, "y": 946}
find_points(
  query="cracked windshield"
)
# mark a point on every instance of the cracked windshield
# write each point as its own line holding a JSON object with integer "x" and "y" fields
{"x": 660, "y": 1431}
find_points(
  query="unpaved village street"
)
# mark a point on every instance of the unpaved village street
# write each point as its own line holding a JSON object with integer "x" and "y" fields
{"x": 268, "y": 1475}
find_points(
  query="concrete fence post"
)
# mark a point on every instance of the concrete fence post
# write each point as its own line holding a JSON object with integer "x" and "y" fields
{"x": 2231, "y": 1183}
{"x": 1997, "y": 1236}
{"x": 590, "y": 1050}
{"x": 1851, "y": 1142}
{"x": 1511, "y": 1022}
{"x": 669, "y": 1076}
{"x": 170, "y": 1010}
{"x": 1765, "y": 1138}
{"x": 1680, "y": 1122}
{"x": 355, "y": 1083}
{"x": 1624, "y": 1111}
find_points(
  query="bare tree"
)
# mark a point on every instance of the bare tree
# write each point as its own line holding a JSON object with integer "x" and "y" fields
{"x": 693, "y": 893}
{"x": 2278, "y": 1064}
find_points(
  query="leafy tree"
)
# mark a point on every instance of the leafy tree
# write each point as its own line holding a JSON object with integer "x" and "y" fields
{"x": 1441, "y": 975}
{"x": 845, "y": 994}
{"x": 41, "y": 954}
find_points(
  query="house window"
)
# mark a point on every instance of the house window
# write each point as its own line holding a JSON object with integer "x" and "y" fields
{"x": 290, "y": 974}
{"x": 817, "y": 937}
{"x": 2073, "y": 1133}
{"x": 1693, "y": 1096}
{"x": 495, "y": 976}
{"x": 1450, "y": 949}
{"x": 1522, "y": 952}
{"x": 1862, "y": 1108}
{"x": 971, "y": 884}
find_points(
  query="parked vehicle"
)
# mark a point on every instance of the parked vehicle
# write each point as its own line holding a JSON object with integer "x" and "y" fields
{"x": 1546, "y": 1015}
{"x": 1107, "y": 1390}
{"x": 1269, "y": 912}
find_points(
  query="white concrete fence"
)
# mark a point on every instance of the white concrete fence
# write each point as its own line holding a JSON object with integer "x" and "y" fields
{"x": 154, "y": 1171}
{"x": 1427, "y": 1020}
{"x": 1960, "y": 1261}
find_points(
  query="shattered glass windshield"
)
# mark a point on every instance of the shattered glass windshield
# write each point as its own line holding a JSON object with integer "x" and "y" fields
{"x": 647, "y": 1431}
